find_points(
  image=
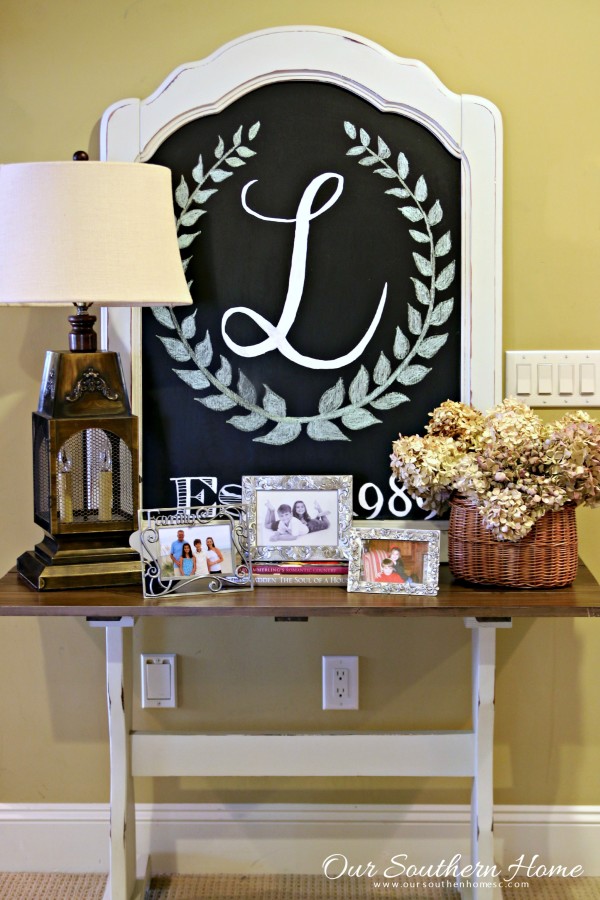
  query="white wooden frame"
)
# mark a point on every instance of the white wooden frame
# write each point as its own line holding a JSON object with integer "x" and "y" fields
{"x": 469, "y": 127}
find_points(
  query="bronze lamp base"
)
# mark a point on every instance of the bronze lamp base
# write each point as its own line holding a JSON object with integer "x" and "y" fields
{"x": 59, "y": 565}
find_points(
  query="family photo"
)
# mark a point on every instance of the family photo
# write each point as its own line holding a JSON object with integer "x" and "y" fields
{"x": 195, "y": 551}
{"x": 393, "y": 562}
{"x": 297, "y": 517}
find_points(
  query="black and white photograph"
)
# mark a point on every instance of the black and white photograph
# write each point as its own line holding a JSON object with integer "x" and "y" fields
{"x": 298, "y": 517}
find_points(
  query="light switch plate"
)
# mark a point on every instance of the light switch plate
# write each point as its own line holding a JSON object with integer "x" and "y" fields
{"x": 159, "y": 681}
{"x": 554, "y": 378}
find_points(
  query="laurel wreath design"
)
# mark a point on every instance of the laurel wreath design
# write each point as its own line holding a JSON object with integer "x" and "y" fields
{"x": 366, "y": 389}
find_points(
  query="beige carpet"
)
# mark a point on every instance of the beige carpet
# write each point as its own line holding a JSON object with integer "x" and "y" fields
{"x": 17, "y": 886}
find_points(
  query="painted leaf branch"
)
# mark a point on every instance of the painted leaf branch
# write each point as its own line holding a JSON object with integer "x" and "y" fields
{"x": 199, "y": 193}
{"x": 353, "y": 414}
{"x": 414, "y": 211}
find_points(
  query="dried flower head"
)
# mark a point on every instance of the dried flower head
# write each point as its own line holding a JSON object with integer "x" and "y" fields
{"x": 508, "y": 461}
{"x": 572, "y": 448}
{"x": 458, "y": 421}
{"x": 428, "y": 467}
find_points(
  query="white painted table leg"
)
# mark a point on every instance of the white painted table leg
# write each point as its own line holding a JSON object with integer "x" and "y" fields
{"x": 122, "y": 812}
{"x": 122, "y": 883}
{"x": 483, "y": 656}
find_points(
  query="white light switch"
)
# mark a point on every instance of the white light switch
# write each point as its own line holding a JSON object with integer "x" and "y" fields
{"x": 587, "y": 378}
{"x": 544, "y": 379}
{"x": 554, "y": 377}
{"x": 158, "y": 680}
{"x": 524, "y": 379}
{"x": 565, "y": 379}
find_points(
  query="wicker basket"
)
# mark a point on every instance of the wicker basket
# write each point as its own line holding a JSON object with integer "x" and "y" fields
{"x": 545, "y": 558}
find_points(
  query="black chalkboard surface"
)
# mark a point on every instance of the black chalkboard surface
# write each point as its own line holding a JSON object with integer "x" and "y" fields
{"x": 322, "y": 239}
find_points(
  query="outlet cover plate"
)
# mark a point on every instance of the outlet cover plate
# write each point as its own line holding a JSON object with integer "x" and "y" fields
{"x": 159, "y": 680}
{"x": 340, "y": 682}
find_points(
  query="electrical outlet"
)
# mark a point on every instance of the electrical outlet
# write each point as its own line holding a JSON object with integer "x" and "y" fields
{"x": 340, "y": 682}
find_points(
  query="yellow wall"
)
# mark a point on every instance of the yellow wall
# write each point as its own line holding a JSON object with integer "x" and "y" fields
{"x": 62, "y": 63}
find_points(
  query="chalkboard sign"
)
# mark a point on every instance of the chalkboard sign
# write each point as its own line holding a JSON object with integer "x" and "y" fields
{"x": 324, "y": 241}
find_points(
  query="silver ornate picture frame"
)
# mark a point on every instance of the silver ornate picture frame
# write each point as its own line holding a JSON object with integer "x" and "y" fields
{"x": 201, "y": 550}
{"x": 394, "y": 561}
{"x": 298, "y": 517}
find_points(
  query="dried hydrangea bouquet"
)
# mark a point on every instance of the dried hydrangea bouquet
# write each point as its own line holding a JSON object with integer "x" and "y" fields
{"x": 512, "y": 483}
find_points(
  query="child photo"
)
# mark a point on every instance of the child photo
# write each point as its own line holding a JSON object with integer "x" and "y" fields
{"x": 297, "y": 517}
{"x": 393, "y": 562}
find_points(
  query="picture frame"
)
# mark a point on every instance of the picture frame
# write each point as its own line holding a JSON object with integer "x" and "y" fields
{"x": 394, "y": 561}
{"x": 298, "y": 517}
{"x": 201, "y": 550}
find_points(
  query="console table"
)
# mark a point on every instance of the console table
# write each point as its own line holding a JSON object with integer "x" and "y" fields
{"x": 464, "y": 753}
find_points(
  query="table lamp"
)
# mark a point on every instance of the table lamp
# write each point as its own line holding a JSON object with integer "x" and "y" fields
{"x": 79, "y": 233}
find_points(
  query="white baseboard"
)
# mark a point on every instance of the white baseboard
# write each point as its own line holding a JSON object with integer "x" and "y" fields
{"x": 290, "y": 838}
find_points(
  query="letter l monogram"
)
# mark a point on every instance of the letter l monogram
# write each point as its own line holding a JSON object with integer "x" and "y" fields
{"x": 277, "y": 335}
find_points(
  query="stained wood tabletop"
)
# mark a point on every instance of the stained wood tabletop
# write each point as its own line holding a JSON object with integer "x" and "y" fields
{"x": 581, "y": 599}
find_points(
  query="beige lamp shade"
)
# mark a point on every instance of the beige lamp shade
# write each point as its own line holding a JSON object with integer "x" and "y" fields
{"x": 89, "y": 232}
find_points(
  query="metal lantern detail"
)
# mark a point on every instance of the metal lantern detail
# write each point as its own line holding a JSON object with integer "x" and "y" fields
{"x": 86, "y": 484}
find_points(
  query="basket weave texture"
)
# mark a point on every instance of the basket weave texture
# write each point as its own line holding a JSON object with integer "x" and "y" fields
{"x": 544, "y": 558}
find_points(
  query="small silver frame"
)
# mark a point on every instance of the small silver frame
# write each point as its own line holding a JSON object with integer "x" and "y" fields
{"x": 332, "y": 493}
{"x": 159, "y": 527}
{"x": 420, "y": 574}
